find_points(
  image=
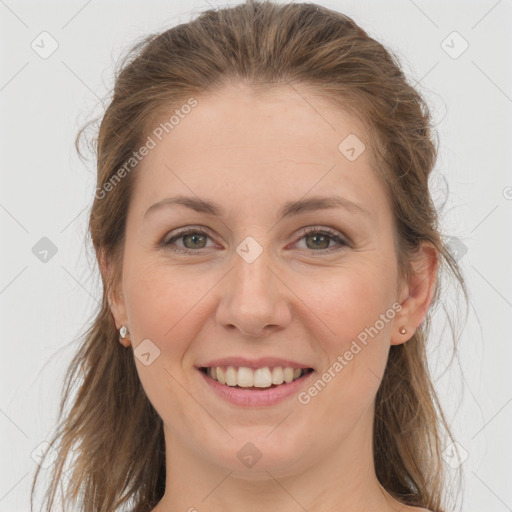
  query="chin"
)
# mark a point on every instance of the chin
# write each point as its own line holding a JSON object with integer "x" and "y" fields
{"x": 255, "y": 452}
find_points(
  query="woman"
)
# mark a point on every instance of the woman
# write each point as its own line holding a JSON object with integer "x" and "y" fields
{"x": 270, "y": 252}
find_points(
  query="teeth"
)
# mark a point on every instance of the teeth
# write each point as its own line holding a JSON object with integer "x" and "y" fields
{"x": 245, "y": 377}
{"x": 231, "y": 376}
{"x": 288, "y": 374}
{"x": 277, "y": 375}
{"x": 262, "y": 378}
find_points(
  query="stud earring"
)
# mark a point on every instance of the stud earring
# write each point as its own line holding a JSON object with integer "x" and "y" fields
{"x": 123, "y": 332}
{"x": 402, "y": 330}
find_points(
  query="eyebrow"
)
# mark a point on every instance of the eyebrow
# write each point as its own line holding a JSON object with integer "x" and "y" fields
{"x": 288, "y": 209}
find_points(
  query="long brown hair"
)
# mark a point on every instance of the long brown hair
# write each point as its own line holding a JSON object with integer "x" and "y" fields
{"x": 109, "y": 434}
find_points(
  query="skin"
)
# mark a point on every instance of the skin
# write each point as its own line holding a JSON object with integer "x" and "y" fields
{"x": 251, "y": 153}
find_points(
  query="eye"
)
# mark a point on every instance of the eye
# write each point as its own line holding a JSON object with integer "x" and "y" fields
{"x": 320, "y": 238}
{"x": 195, "y": 239}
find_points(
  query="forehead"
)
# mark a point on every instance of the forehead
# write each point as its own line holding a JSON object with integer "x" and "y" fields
{"x": 260, "y": 146}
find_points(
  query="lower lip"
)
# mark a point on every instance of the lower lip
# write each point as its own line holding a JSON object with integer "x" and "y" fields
{"x": 253, "y": 397}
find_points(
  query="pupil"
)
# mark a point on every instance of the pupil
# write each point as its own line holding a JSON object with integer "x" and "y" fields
{"x": 316, "y": 237}
{"x": 194, "y": 237}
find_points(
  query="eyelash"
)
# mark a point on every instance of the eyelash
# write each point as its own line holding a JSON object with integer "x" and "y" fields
{"x": 304, "y": 233}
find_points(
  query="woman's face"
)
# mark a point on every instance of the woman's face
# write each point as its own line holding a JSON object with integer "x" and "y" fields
{"x": 248, "y": 288}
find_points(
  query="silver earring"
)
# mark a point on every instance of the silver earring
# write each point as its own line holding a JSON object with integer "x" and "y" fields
{"x": 402, "y": 330}
{"x": 123, "y": 332}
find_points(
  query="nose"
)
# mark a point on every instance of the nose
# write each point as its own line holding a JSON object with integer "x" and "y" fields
{"x": 254, "y": 299}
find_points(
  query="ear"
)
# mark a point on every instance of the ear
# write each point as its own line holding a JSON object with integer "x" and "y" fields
{"x": 115, "y": 297}
{"x": 416, "y": 293}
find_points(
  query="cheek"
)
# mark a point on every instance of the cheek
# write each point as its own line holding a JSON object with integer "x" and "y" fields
{"x": 350, "y": 300}
{"x": 355, "y": 305}
{"x": 163, "y": 304}
{"x": 157, "y": 300}
{"x": 168, "y": 305}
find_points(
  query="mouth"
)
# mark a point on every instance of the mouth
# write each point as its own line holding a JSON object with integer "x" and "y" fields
{"x": 243, "y": 377}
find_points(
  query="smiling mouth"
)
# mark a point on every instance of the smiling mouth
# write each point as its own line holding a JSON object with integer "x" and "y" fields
{"x": 243, "y": 377}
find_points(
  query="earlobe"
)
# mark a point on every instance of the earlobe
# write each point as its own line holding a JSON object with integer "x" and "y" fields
{"x": 419, "y": 292}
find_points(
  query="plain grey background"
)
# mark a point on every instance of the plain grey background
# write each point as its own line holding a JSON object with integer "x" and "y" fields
{"x": 57, "y": 60}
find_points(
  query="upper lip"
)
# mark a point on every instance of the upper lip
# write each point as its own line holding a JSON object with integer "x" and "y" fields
{"x": 253, "y": 363}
